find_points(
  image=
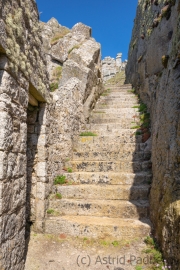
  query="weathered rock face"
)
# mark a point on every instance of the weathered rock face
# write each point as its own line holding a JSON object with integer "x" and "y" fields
{"x": 78, "y": 56}
{"x": 75, "y": 81}
{"x": 153, "y": 69}
{"x": 111, "y": 66}
{"x": 23, "y": 79}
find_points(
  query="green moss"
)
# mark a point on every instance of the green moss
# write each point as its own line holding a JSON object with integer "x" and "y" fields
{"x": 138, "y": 267}
{"x": 53, "y": 87}
{"x": 87, "y": 133}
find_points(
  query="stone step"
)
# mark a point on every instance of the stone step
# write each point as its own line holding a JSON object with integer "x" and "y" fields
{"x": 106, "y": 166}
{"x": 119, "y": 99}
{"x": 110, "y": 139}
{"x": 120, "y": 94}
{"x": 117, "y": 111}
{"x": 125, "y": 123}
{"x": 117, "y": 115}
{"x": 100, "y": 208}
{"x": 101, "y": 192}
{"x": 109, "y": 178}
{"x": 119, "y": 104}
{"x": 108, "y": 146}
{"x": 124, "y": 86}
{"x": 98, "y": 227}
{"x": 109, "y": 126}
{"x": 104, "y": 105}
{"x": 120, "y": 91}
{"x": 114, "y": 132}
{"x": 112, "y": 156}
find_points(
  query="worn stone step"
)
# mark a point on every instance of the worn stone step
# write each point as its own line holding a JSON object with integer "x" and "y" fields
{"x": 112, "y": 155}
{"x": 119, "y": 94}
{"x": 113, "y": 132}
{"x": 109, "y": 178}
{"x": 108, "y": 146}
{"x": 101, "y": 192}
{"x": 124, "y": 86}
{"x": 109, "y": 126}
{"x": 98, "y": 227}
{"x": 100, "y": 208}
{"x": 105, "y": 166}
{"x": 104, "y": 105}
{"x": 118, "y": 89}
{"x": 124, "y": 123}
{"x": 119, "y": 100}
{"x": 116, "y": 104}
{"x": 110, "y": 139}
{"x": 125, "y": 116}
{"x": 117, "y": 110}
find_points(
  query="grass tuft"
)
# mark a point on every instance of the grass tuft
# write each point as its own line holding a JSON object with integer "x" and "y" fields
{"x": 115, "y": 243}
{"x": 87, "y": 133}
{"x": 58, "y": 36}
{"x": 58, "y": 196}
{"x": 155, "y": 254}
{"x": 50, "y": 211}
{"x": 69, "y": 170}
{"x": 135, "y": 127}
{"x": 75, "y": 47}
{"x": 60, "y": 180}
{"x": 53, "y": 86}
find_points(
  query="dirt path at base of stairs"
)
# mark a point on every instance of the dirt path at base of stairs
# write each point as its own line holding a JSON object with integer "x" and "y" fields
{"x": 47, "y": 252}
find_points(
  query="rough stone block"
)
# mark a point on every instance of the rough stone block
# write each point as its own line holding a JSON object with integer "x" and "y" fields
{"x": 3, "y": 165}
{"x": 41, "y": 169}
{"x": 82, "y": 29}
{"x": 6, "y": 131}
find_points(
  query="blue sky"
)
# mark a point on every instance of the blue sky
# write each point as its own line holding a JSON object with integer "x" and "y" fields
{"x": 111, "y": 20}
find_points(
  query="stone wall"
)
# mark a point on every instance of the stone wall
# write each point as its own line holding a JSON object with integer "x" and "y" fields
{"x": 38, "y": 127}
{"x": 154, "y": 70}
{"x": 76, "y": 83}
{"x": 23, "y": 80}
{"x": 74, "y": 69}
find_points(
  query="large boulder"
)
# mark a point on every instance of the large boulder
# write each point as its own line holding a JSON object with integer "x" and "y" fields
{"x": 81, "y": 29}
{"x": 76, "y": 53}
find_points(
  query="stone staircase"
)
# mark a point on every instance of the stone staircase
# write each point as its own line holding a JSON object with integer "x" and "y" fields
{"x": 110, "y": 178}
